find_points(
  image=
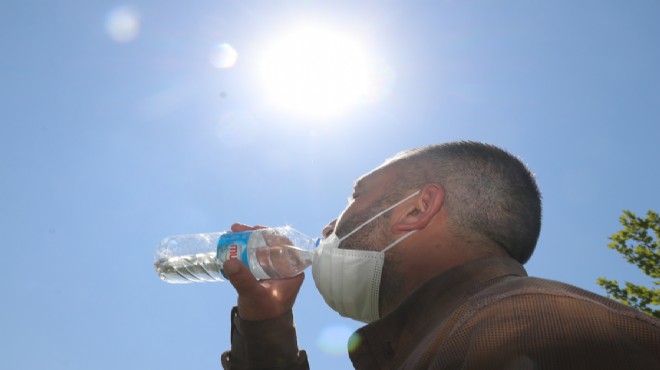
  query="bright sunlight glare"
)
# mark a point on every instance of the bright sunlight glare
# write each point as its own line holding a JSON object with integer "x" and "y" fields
{"x": 316, "y": 71}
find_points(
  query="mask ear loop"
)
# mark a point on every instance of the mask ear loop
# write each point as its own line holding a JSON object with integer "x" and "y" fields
{"x": 380, "y": 214}
{"x": 398, "y": 241}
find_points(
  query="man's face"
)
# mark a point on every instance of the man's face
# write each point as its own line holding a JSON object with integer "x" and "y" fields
{"x": 369, "y": 197}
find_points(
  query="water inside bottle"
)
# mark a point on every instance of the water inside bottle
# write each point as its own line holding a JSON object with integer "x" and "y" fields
{"x": 195, "y": 268}
{"x": 283, "y": 261}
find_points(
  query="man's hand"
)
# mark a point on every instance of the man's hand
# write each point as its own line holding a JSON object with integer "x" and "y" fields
{"x": 260, "y": 300}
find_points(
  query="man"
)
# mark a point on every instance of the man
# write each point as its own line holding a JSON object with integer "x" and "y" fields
{"x": 429, "y": 252}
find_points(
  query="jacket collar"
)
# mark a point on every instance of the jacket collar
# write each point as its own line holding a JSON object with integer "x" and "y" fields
{"x": 387, "y": 342}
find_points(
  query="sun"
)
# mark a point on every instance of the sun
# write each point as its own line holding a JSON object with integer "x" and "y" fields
{"x": 315, "y": 71}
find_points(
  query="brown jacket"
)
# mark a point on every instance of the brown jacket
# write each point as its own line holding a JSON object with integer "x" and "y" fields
{"x": 483, "y": 315}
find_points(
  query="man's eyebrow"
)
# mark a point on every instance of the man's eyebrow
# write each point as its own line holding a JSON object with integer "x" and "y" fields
{"x": 358, "y": 183}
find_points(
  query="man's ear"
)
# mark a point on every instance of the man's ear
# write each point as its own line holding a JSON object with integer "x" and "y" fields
{"x": 418, "y": 214}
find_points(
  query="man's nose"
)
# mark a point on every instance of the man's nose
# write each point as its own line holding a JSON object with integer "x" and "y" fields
{"x": 329, "y": 228}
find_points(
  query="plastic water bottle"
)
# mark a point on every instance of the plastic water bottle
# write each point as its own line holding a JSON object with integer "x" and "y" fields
{"x": 273, "y": 253}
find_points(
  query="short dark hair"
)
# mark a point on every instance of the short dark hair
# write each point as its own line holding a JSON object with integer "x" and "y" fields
{"x": 489, "y": 193}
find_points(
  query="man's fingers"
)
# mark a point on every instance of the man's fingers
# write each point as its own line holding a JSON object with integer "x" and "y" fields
{"x": 240, "y": 277}
{"x": 239, "y": 227}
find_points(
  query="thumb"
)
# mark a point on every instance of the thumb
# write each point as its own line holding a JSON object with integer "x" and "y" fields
{"x": 240, "y": 277}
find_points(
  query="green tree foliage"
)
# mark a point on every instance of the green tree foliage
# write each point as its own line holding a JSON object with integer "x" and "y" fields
{"x": 638, "y": 243}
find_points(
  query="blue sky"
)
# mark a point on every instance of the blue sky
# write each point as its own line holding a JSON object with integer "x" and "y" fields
{"x": 109, "y": 144}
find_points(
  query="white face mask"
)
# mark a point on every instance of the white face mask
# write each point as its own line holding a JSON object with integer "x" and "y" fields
{"x": 349, "y": 279}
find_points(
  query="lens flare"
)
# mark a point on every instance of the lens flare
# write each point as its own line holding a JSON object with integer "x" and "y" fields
{"x": 123, "y": 24}
{"x": 333, "y": 339}
{"x": 223, "y": 56}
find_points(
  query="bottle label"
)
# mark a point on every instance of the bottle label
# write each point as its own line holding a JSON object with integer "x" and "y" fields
{"x": 233, "y": 246}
